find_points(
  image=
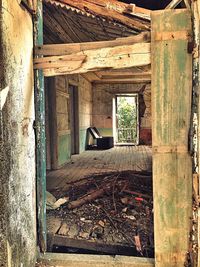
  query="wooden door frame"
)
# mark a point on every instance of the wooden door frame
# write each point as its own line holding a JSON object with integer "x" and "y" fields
{"x": 136, "y": 95}
{"x": 41, "y": 180}
{"x": 74, "y": 102}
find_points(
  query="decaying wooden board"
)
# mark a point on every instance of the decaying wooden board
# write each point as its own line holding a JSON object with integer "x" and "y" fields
{"x": 171, "y": 111}
{"x": 81, "y": 260}
{"x": 94, "y": 60}
{"x": 67, "y": 49}
{"x": 64, "y": 241}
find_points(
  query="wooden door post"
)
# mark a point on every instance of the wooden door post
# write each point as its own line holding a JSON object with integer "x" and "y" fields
{"x": 171, "y": 111}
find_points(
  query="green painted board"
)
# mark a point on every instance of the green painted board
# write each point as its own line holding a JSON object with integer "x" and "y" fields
{"x": 171, "y": 111}
{"x": 40, "y": 136}
{"x": 64, "y": 149}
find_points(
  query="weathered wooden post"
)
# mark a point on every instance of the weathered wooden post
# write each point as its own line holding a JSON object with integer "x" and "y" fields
{"x": 171, "y": 111}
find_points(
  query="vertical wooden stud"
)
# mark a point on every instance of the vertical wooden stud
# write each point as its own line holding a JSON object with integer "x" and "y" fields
{"x": 40, "y": 135}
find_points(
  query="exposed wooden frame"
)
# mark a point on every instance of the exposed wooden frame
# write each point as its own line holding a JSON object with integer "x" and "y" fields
{"x": 77, "y": 260}
{"x": 31, "y": 5}
{"x": 93, "y": 60}
{"x": 175, "y": 3}
{"x": 171, "y": 104}
{"x": 68, "y": 49}
{"x": 113, "y": 10}
{"x": 124, "y": 80}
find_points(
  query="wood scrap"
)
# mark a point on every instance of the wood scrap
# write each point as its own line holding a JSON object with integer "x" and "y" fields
{"x": 136, "y": 193}
{"x": 89, "y": 245}
{"x": 98, "y": 220}
{"x": 89, "y": 197}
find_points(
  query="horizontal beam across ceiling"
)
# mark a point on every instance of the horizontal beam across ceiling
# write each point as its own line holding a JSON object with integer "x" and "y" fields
{"x": 118, "y": 57}
{"x": 67, "y": 49}
{"x": 63, "y": 59}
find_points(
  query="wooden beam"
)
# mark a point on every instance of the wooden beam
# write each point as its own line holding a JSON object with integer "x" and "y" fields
{"x": 91, "y": 76}
{"x": 187, "y": 4}
{"x": 67, "y": 49}
{"x": 120, "y": 74}
{"x": 81, "y": 260}
{"x": 93, "y": 60}
{"x": 125, "y": 80}
{"x": 114, "y": 249}
{"x": 112, "y": 10}
{"x": 124, "y": 8}
{"x": 31, "y": 5}
{"x": 173, "y": 4}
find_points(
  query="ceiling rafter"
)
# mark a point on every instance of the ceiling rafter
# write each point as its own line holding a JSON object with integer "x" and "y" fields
{"x": 130, "y": 15}
{"x": 175, "y": 3}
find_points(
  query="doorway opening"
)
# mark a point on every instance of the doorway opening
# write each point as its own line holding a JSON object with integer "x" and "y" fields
{"x": 126, "y": 130}
{"x": 74, "y": 119}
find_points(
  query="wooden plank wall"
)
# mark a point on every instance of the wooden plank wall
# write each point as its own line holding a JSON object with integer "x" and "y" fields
{"x": 59, "y": 121}
{"x": 171, "y": 111}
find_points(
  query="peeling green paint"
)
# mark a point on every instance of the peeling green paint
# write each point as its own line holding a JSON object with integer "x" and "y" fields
{"x": 40, "y": 135}
{"x": 64, "y": 149}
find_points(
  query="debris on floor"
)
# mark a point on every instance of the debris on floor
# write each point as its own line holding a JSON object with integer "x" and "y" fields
{"x": 110, "y": 213}
{"x": 52, "y": 203}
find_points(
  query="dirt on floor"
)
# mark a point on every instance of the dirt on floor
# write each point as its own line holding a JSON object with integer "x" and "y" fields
{"x": 107, "y": 214}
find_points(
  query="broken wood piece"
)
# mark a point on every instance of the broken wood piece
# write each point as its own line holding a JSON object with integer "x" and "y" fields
{"x": 60, "y": 202}
{"x": 52, "y": 203}
{"x": 138, "y": 243}
{"x": 64, "y": 229}
{"x": 53, "y": 224}
{"x": 136, "y": 193}
{"x": 92, "y": 195}
{"x": 131, "y": 201}
{"x": 101, "y": 223}
{"x": 88, "y": 197}
{"x": 58, "y": 240}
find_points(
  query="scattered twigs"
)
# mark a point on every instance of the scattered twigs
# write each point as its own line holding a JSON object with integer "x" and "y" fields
{"x": 109, "y": 217}
{"x": 113, "y": 193}
{"x": 136, "y": 193}
{"x": 87, "y": 198}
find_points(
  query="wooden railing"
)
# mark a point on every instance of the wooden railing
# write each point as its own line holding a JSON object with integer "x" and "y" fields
{"x": 127, "y": 135}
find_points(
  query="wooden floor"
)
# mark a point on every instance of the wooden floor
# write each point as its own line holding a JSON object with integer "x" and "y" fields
{"x": 119, "y": 158}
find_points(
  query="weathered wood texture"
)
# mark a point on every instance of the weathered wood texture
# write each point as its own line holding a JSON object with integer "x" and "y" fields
{"x": 67, "y": 49}
{"x": 118, "y": 57}
{"x": 196, "y": 134}
{"x": 114, "y": 11}
{"x": 117, "y": 159}
{"x": 173, "y": 4}
{"x": 75, "y": 260}
{"x": 58, "y": 115}
{"x": 171, "y": 110}
{"x": 40, "y": 135}
{"x": 63, "y": 24}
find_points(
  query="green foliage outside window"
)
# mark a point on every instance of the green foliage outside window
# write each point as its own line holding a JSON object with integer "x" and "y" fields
{"x": 127, "y": 119}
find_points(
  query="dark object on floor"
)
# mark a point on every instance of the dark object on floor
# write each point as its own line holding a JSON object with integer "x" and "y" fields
{"x": 102, "y": 142}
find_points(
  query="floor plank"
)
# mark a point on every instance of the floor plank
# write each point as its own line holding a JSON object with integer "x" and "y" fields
{"x": 119, "y": 158}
